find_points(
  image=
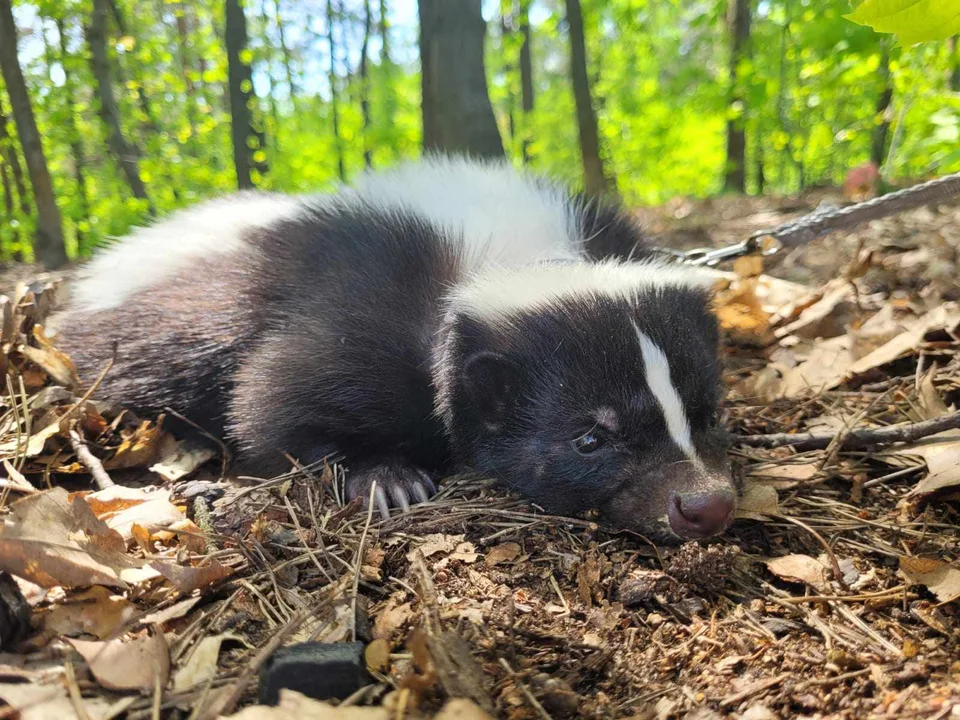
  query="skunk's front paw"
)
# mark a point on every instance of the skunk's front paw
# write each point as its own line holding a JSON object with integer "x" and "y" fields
{"x": 398, "y": 486}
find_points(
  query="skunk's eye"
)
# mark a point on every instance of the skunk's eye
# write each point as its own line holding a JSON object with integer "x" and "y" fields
{"x": 588, "y": 443}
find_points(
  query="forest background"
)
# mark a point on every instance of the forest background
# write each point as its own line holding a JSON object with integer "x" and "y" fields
{"x": 138, "y": 107}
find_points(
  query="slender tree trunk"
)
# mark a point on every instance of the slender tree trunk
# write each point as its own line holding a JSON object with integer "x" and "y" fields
{"x": 186, "y": 65}
{"x": 287, "y": 55}
{"x": 738, "y": 21}
{"x": 10, "y": 163}
{"x": 48, "y": 245}
{"x": 365, "y": 83}
{"x": 595, "y": 179}
{"x": 526, "y": 78}
{"x": 758, "y": 162}
{"x": 145, "y": 106}
{"x": 954, "y": 45}
{"x": 881, "y": 131}
{"x": 240, "y": 81}
{"x": 271, "y": 85}
{"x": 456, "y": 109}
{"x": 506, "y": 30}
{"x": 126, "y": 153}
{"x": 76, "y": 140}
{"x": 384, "y": 34}
{"x": 334, "y": 91}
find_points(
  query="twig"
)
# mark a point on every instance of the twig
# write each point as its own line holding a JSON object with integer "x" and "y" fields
{"x": 531, "y": 698}
{"x": 90, "y": 461}
{"x": 73, "y": 690}
{"x": 750, "y": 690}
{"x": 902, "y": 432}
{"x": 359, "y": 562}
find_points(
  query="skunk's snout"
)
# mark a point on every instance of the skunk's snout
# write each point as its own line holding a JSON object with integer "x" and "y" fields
{"x": 702, "y": 514}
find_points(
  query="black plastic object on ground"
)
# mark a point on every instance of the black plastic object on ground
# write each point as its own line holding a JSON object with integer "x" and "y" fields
{"x": 322, "y": 671}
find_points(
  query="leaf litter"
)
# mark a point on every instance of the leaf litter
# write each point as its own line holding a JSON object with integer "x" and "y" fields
{"x": 162, "y": 592}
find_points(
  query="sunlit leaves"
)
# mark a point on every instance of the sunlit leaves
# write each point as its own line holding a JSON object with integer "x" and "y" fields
{"x": 912, "y": 21}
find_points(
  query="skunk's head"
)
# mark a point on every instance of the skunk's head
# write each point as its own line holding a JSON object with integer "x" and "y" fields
{"x": 593, "y": 386}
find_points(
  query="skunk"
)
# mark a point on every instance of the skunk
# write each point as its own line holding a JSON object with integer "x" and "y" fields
{"x": 445, "y": 313}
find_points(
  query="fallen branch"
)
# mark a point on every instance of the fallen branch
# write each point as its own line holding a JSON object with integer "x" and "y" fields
{"x": 865, "y": 437}
{"x": 90, "y": 461}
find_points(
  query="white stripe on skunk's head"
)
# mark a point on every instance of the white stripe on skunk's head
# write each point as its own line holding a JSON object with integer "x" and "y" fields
{"x": 592, "y": 386}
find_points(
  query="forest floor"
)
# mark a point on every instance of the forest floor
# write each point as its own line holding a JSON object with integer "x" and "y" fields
{"x": 833, "y": 596}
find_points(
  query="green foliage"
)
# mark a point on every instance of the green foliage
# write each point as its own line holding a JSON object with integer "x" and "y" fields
{"x": 913, "y": 21}
{"x": 659, "y": 74}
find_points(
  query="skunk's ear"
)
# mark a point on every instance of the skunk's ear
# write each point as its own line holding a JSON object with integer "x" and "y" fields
{"x": 489, "y": 381}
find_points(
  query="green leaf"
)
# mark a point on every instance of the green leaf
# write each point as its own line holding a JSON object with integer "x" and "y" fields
{"x": 912, "y": 21}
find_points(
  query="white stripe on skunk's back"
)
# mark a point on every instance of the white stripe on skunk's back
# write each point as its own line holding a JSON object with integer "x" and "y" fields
{"x": 150, "y": 254}
{"x": 505, "y": 216}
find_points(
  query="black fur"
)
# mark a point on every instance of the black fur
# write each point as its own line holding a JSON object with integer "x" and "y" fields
{"x": 318, "y": 337}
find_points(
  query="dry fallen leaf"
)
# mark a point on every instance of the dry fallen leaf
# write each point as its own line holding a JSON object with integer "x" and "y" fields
{"x": 96, "y": 611}
{"x": 36, "y": 701}
{"x": 505, "y": 553}
{"x": 377, "y": 656}
{"x": 187, "y": 579}
{"x": 294, "y": 706}
{"x": 123, "y": 507}
{"x": 52, "y": 541}
{"x": 940, "y": 578}
{"x": 137, "y": 449}
{"x": 800, "y": 568}
{"x": 53, "y": 361}
{"x": 127, "y": 664}
{"x": 201, "y": 664}
{"x": 757, "y": 502}
{"x": 391, "y": 619}
{"x": 180, "y": 459}
{"x": 941, "y": 453}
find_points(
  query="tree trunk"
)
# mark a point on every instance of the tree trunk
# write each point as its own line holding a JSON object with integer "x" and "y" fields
{"x": 10, "y": 163}
{"x": 595, "y": 179}
{"x": 954, "y": 45}
{"x": 287, "y": 55}
{"x": 456, "y": 109}
{"x": 240, "y": 82}
{"x": 145, "y": 107}
{"x": 526, "y": 78}
{"x": 126, "y": 153}
{"x": 334, "y": 92}
{"x": 76, "y": 140}
{"x": 365, "y": 84}
{"x": 881, "y": 131}
{"x": 738, "y": 23}
{"x": 384, "y": 34}
{"x": 48, "y": 245}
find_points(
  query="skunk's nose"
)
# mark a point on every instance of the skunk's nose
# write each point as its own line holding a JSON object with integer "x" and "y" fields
{"x": 701, "y": 514}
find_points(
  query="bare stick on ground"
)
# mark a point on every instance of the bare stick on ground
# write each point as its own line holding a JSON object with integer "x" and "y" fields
{"x": 902, "y": 432}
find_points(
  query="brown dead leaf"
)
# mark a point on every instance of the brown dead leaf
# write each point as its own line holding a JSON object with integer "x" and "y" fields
{"x": 174, "y": 612}
{"x": 435, "y": 543}
{"x": 941, "y": 453}
{"x": 187, "y": 579}
{"x": 391, "y": 619}
{"x": 757, "y": 502}
{"x": 53, "y": 361}
{"x": 294, "y": 706}
{"x": 940, "y": 578}
{"x": 127, "y": 664}
{"x": 377, "y": 656}
{"x": 36, "y": 701}
{"x": 52, "y": 541}
{"x": 504, "y": 553}
{"x": 826, "y": 318}
{"x": 201, "y": 664}
{"x": 802, "y": 569}
{"x": 123, "y": 507}
{"x": 461, "y": 709}
{"x": 139, "y": 449}
{"x": 741, "y": 313}
{"x": 96, "y": 612}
